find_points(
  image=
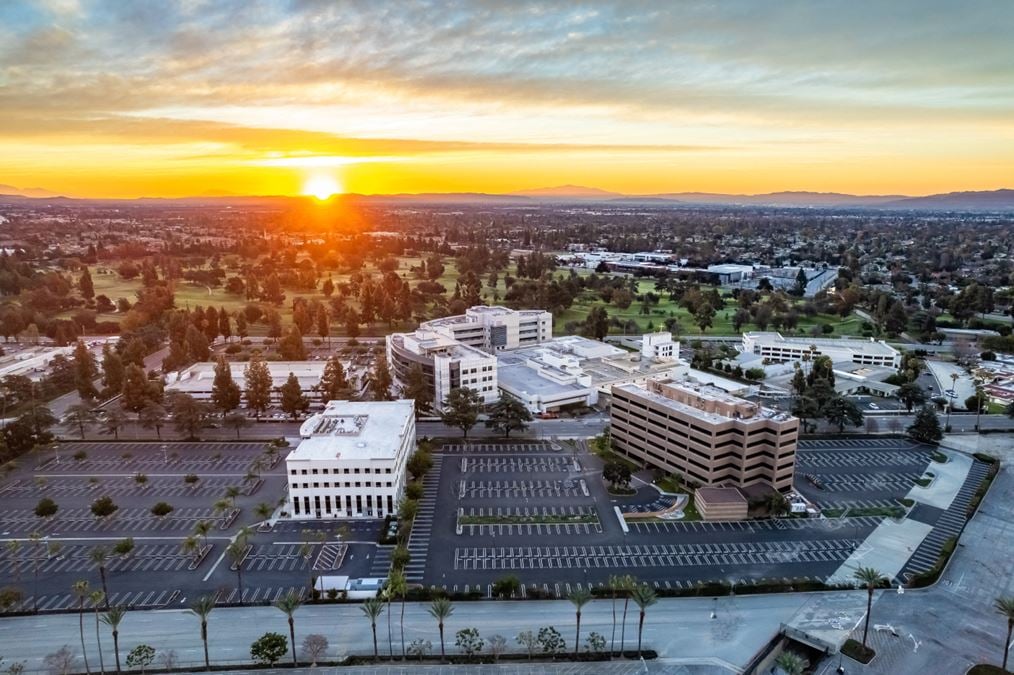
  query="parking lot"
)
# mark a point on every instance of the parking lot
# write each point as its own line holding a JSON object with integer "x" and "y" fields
{"x": 477, "y": 537}
{"x": 861, "y": 472}
{"x": 157, "y": 572}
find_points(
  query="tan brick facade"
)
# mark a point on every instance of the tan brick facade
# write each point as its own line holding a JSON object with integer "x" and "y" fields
{"x": 709, "y": 437}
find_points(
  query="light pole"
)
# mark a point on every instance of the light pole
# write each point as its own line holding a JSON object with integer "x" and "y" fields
{"x": 165, "y": 456}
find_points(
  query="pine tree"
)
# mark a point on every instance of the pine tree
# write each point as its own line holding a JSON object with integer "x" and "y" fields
{"x": 112, "y": 370}
{"x": 258, "y": 385}
{"x": 291, "y": 347}
{"x": 334, "y": 384}
{"x": 137, "y": 391}
{"x": 225, "y": 393}
{"x": 461, "y": 409}
{"x": 380, "y": 379}
{"x": 224, "y": 327}
{"x": 85, "y": 285}
{"x": 85, "y": 372}
{"x": 197, "y": 344}
{"x": 241, "y": 326}
{"x": 417, "y": 389}
{"x": 293, "y": 401}
{"x": 508, "y": 414}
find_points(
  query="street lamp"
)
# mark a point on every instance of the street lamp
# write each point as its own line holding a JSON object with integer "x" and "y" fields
{"x": 165, "y": 457}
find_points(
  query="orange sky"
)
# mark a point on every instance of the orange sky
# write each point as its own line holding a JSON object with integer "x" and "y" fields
{"x": 111, "y": 99}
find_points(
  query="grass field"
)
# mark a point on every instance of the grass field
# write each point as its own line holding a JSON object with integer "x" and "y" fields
{"x": 191, "y": 295}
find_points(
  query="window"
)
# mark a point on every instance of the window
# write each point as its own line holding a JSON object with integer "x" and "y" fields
{"x": 293, "y": 472}
{"x": 303, "y": 472}
{"x": 295, "y": 485}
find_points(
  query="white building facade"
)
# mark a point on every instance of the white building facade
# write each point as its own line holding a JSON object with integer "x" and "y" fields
{"x": 198, "y": 380}
{"x": 496, "y": 328}
{"x": 351, "y": 460}
{"x": 446, "y": 364}
{"x": 775, "y": 347}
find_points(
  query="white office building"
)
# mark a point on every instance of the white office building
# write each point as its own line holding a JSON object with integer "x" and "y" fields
{"x": 351, "y": 460}
{"x": 493, "y": 329}
{"x": 445, "y": 363}
{"x": 774, "y": 347}
{"x": 659, "y": 346}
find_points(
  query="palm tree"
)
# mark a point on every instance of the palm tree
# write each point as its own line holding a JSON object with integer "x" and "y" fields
{"x": 441, "y": 609}
{"x": 872, "y": 578}
{"x": 99, "y": 555}
{"x": 791, "y": 663}
{"x": 80, "y": 590}
{"x": 1006, "y": 607}
{"x": 399, "y": 587}
{"x": 191, "y": 546}
{"x": 201, "y": 529}
{"x": 96, "y": 598}
{"x": 288, "y": 606}
{"x": 614, "y": 588}
{"x": 373, "y": 608}
{"x": 579, "y": 598}
{"x": 389, "y": 591}
{"x": 627, "y": 584}
{"x": 231, "y": 493}
{"x": 236, "y": 550}
{"x": 202, "y": 609}
{"x": 112, "y": 618}
{"x": 644, "y": 598}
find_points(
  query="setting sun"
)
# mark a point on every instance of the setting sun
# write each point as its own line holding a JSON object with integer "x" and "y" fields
{"x": 322, "y": 186}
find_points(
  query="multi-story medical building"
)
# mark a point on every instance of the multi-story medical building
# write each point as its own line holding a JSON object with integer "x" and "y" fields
{"x": 775, "y": 347}
{"x": 704, "y": 434}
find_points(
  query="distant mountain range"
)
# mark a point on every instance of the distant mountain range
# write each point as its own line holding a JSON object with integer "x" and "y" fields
{"x": 988, "y": 200}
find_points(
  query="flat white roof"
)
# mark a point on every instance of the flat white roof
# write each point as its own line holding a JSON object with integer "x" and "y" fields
{"x": 355, "y": 430}
{"x": 861, "y": 345}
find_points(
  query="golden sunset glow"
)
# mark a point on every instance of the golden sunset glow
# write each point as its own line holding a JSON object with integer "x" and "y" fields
{"x": 322, "y": 186}
{"x": 884, "y": 99}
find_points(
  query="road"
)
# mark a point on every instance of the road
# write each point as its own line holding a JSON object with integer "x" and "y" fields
{"x": 681, "y": 630}
{"x": 951, "y": 626}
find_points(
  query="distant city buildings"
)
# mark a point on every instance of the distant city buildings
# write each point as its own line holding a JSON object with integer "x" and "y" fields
{"x": 774, "y": 347}
{"x": 351, "y": 460}
{"x": 704, "y": 434}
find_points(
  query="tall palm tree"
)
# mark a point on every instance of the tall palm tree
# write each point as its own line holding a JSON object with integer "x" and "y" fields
{"x": 579, "y": 598}
{"x": 1006, "y": 607}
{"x": 373, "y": 608}
{"x": 288, "y": 606}
{"x": 201, "y": 529}
{"x": 96, "y": 598}
{"x": 399, "y": 588}
{"x": 644, "y": 598}
{"x": 441, "y": 609}
{"x": 112, "y": 618}
{"x": 614, "y": 588}
{"x": 202, "y": 609}
{"x": 231, "y": 493}
{"x": 99, "y": 555}
{"x": 80, "y": 590}
{"x": 872, "y": 578}
{"x": 236, "y": 550}
{"x": 627, "y": 584}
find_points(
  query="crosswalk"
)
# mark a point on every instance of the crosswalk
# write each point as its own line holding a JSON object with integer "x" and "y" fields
{"x": 541, "y": 464}
{"x": 498, "y": 489}
{"x": 380, "y": 565}
{"x": 949, "y": 525}
{"x": 422, "y": 526}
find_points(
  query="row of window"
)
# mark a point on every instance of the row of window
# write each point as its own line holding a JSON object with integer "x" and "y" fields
{"x": 347, "y": 484}
{"x": 313, "y": 472}
{"x": 357, "y": 507}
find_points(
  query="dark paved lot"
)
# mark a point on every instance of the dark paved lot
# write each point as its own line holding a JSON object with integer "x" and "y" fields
{"x": 859, "y": 472}
{"x": 157, "y": 573}
{"x": 497, "y": 479}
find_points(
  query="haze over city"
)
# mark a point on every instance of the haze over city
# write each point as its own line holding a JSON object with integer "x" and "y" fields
{"x": 585, "y": 337}
{"x": 195, "y": 98}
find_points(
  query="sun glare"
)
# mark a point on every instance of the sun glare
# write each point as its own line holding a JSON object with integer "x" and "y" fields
{"x": 322, "y": 186}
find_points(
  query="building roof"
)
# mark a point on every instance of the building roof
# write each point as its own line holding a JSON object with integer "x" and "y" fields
{"x": 355, "y": 430}
{"x": 704, "y": 393}
{"x": 720, "y": 495}
{"x": 856, "y": 344}
{"x": 199, "y": 377}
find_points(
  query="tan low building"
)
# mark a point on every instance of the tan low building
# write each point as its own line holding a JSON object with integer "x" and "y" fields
{"x": 721, "y": 503}
{"x": 704, "y": 434}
